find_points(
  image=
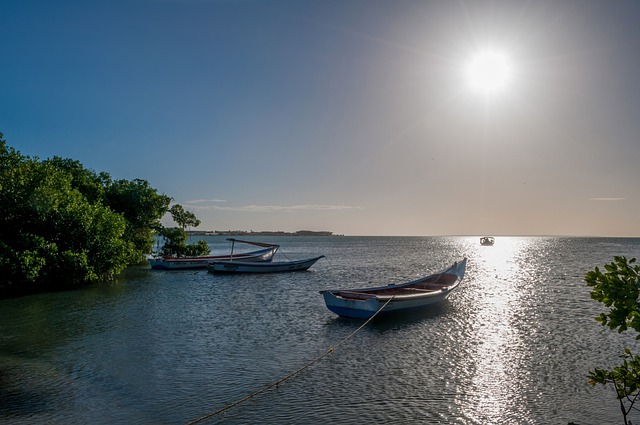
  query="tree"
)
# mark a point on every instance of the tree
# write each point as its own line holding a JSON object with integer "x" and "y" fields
{"x": 63, "y": 226}
{"x": 618, "y": 289}
{"x": 175, "y": 239}
{"x": 51, "y": 235}
{"x": 182, "y": 217}
{"x": 142, "y": 208}
{"x": 88, "y": 182}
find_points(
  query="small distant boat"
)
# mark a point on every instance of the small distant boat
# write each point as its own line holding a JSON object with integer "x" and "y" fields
{"x": 242, "y": 266}
{"x": 487, "y": 240}
{"x": 405, "y": 297}
{"x": 183, "y": 263}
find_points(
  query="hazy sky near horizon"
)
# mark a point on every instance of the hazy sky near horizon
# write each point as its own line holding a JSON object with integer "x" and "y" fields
{"x": 353, "y": 116}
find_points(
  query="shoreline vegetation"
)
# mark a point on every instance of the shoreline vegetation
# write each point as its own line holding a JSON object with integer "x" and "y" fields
{"x": 63, "y": 226}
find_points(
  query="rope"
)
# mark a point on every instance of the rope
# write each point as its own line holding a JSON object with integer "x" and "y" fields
{"x": 284, "y": 254}
{"x": 330, "y": 265}
{"x": 292, "y": 374}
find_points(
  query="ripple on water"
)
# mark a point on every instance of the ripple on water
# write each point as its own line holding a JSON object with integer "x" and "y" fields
{"x": 512, "y": 345}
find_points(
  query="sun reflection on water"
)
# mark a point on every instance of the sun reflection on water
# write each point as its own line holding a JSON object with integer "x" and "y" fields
{"x": 501, "y": 292}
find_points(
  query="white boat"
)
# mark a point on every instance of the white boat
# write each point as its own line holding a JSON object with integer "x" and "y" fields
{"x": 415, "y": 295}
{"x": 181, "y": 263}
{"x": 487, "y": 240}
{"x": 242, "y": 266}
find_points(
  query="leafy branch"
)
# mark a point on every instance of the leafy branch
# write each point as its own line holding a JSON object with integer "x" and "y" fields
{"x": 618, "y": 289}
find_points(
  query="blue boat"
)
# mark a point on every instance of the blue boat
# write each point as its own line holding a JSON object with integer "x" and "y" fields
{"x": 181, "y": 263}
{"x": 241, "y": 266}
{"x": 405, "y": 297}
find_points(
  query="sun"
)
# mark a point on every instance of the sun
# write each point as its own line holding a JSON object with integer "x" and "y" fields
{"x": 489, "y": 72}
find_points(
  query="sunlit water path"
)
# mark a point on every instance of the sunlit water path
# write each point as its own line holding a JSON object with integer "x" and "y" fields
{"x": 513, "y": 344}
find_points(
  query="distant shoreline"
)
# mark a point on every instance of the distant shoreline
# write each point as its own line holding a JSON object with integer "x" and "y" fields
{"x": 260, "y": 233}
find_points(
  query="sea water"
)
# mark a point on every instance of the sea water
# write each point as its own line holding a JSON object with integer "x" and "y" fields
{"x": 512, "y": 345}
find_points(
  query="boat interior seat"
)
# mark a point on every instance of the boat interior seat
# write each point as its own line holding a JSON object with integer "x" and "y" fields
{"x": 353, "y": 295}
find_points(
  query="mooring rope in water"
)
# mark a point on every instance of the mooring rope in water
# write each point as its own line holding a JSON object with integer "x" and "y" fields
{"x": 287, "y": 257}
{"x": 292, "y": 374}
{"x": 284, "y": 254}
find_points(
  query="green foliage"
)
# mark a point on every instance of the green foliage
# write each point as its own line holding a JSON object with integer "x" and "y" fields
{"x": 626, "y": 377}
{"x": 183, "y": 218}
{"x": 142, "y": 208}
{"x": 198, "y": 248}
{"x": 175, "y": 244}
{"x": 88, "y": 183}
{"x": 618, "y": 289}
{"x": 62, "y": 226}
{"x": 175, "y": 239}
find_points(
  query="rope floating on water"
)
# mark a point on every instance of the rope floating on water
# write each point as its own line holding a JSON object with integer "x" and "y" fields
{"x": 292, "y": 374}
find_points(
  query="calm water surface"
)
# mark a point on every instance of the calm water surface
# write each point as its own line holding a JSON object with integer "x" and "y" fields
{"x": 512, "y": 345}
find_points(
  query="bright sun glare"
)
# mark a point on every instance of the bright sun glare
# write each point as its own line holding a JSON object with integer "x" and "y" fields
{"x": 489, "y": 72}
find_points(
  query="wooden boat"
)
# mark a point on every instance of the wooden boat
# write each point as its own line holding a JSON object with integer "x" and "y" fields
{"x": 242, "y": 266}
{"x": 404, "y": 297}
{"x": 487, "y": 240}
{"x": 181, "y": 263}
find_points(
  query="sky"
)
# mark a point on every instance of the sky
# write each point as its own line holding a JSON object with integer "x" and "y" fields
{"x": 350, "y": 116}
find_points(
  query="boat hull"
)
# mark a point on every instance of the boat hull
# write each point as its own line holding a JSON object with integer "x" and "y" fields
{"x": 396, "y": 299}
{"x": 487, "y": 241}
{"x": 186, "y": 263}
{"x": 364, "y": 309}
{"x": 264, "y": 267}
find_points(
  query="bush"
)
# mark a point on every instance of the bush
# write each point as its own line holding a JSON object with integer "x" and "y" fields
{"x": 63, "y": 226}
{"x": 618, "y": 289}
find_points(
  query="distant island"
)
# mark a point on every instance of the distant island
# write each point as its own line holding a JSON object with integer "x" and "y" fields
{"x": 261, "y": 233}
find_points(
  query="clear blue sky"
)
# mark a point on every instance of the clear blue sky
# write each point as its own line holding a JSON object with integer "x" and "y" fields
{"x": 349, "y": 116}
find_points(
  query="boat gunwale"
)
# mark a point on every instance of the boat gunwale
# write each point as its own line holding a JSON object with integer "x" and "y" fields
{"x": 210, "y": 258}
{"x": 374, "y": 292}
{"x": 270, "y": 264}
